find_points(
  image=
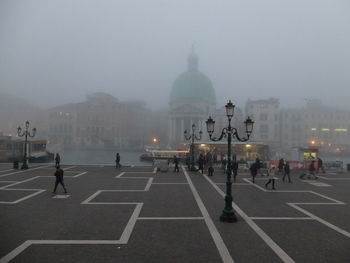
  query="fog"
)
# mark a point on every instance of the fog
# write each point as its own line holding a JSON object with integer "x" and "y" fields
{"x": 53, "y": 52}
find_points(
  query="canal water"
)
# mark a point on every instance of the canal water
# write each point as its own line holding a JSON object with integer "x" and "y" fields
{"x": 100, "y": 157}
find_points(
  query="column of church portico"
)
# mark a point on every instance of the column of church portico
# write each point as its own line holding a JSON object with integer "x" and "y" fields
{"x": 170, "y": 131}
{"x": 179, "y": 133}
{"x": 174, "y": 131}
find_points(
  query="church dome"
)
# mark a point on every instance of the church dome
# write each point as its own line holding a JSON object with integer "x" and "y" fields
{"x": 192, "y": 85}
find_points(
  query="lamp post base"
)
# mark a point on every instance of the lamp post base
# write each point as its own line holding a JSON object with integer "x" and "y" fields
{"x": 228, "y": 216}
{"x": 24, "y": 166}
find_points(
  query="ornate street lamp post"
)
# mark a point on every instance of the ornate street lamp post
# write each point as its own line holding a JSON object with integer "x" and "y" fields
{"x": 228, "y": 214}
{"x": 25, "y": 133}
{"x": 191, "y": 138}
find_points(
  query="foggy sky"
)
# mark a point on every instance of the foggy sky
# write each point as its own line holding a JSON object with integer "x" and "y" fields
{"x": 54, "y": 52}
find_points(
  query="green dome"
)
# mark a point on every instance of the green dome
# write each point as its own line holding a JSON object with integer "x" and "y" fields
{"x": 193, "y": 86}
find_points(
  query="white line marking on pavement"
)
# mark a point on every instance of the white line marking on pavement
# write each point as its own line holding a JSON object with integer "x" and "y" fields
{"x": 170, "y": 183}
{"x": 233, "y": 184}
{"x": 320, "y": 220}
{"x": 120, "y": 175}
{"x": 282, "y": 218}
{"x": 149, "y": 183}
{"x": 75, "y": 176}
{"x": 335, "y": 179}
{"x": 170, "y": 218}
{"x": 20, "y": 182}
{"x": 277, "y": 249}
{"x": 223, "y": 251}
{"x": 70, "y": 167}
{"x": 23, "y": 171}
{"x": 319, "y": 184}
{"x": 3, "y": 171}
{"x": 123, "y": 240}
{"x": 61, "y": 196}
{"x": 130, "y": 226}
{"x": 338, "y": 229}
{"x": 38, "y": 191}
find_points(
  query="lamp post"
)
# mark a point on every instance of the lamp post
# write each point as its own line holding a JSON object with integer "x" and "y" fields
{"x": 25, "y": 133}
{"x": 228, "y": 214}
{"x": 191, "y": 138}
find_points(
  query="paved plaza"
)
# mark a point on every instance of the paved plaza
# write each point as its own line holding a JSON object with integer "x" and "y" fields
{"x": 138, "y": 214}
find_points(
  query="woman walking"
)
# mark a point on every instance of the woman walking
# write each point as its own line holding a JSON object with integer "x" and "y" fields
{"x": 271, "y": 176}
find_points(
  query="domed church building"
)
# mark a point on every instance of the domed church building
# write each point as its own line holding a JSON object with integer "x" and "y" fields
{"x": 192, "y": 100}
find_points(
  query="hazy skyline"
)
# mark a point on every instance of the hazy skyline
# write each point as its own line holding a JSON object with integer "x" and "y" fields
{"x": 54, "y": 52}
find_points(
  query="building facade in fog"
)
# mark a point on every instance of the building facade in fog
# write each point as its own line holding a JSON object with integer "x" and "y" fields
{"x": 102, "y": 121}
{"x": 315, "y": 125}
{"x": 192, "y": 100}
{"x": 265, "y": 113}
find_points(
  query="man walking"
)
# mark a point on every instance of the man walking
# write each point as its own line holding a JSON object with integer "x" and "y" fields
{"x": 176, "y": 163}
{"x": 58, "y": 160}
{"x": 59, "y": 179}
{"x": 253, "y": 171}
{"x": 258, "y": 166}
{"x": 117, "y": 161}
{"x": 234, "y": 166}
{"x": 280, "y": 166}
{"x": 319, "y": 165}
{"x": 286, "y": 172}
{"x": 201, "y": 163}
{"x": 312, "y": 170}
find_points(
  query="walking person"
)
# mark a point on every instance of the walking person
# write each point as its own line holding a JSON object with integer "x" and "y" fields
{"x": 253, "y": 171}
{"x": 258, "y": 166}
{"x": 271, "y": 175}
{"x": 280, "y": 166}
{"x": 286, "y": 172}
{"x": 176, "y": 163}
{"x": 59, "y": 179}
{"x": 312, "y": 170}
{"x": 210, "y": 171}
{"x": 223, "y": 163}
{"x": 201, "y": 163}
{"x": 234, "y": 166}
{"x": 320, "y": 165}
{"x": 117, "y": 161}
{"x": 188, "y": 162}
{"x": 57, "y": 159}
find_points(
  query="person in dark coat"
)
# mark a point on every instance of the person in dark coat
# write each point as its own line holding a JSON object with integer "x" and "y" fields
{"x": 59, "y": 179}
{"x": 286, "y": 172}
{"x": 210, "y": 171}
{"x": 223, "y": 163}
{"x": 188, "y": 162}
{"x": 57, "y": 159}
{"x": 253, "y": 171}
{"x": 234, "y": 166}
{"x": 117, "y": 161}
{"x": 312, "y": 170}
{"x": 176, "y": 163}
{"x": 201, "y": 163}
{"x": 320, "y": 165}
{"x": 258, "y": 166}
{"x": 280, "y": 166}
